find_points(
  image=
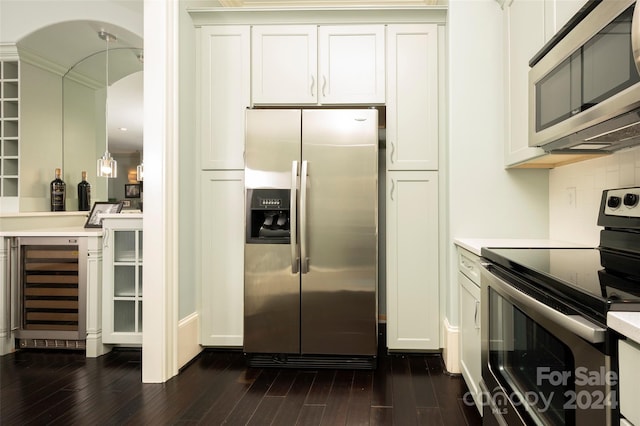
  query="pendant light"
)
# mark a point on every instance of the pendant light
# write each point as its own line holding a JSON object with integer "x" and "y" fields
{"x": 107, "y": 166}
{"x": 140, "y": 172}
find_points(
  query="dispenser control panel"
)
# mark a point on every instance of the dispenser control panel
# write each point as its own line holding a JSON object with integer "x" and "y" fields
{"x": 270, "y": 202}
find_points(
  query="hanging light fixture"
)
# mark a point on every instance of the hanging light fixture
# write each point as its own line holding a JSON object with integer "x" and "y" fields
{"x": 107, "y": 166}
{"x": 140, "y": 172}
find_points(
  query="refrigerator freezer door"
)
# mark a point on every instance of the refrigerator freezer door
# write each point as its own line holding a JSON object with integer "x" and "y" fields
{"x": 272, "y": 300}
{"x": 339, "y": 291}
{"x": 272, "y": 142}
{"x": 272, "y": 289}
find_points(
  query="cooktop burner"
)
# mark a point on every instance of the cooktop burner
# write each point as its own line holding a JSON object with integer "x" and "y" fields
{"x": 589, "y": 280}
{"x": 592, "y": 279}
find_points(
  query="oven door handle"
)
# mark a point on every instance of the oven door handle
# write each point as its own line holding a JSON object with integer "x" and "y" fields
{"x": 491, "y": 400}
{"x": 576, "y": 324}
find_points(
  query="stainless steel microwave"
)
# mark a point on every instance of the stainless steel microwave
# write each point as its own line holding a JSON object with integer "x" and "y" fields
{"x": 584, "y": 85}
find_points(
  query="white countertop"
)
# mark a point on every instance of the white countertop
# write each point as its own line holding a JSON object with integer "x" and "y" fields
{"x": 625, "y": 323}
{"x": 54, "y": 232}
{"x": 474, "y": 245}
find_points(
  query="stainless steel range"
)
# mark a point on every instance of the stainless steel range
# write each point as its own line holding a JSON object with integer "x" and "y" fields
{"x": 548, "y": 357}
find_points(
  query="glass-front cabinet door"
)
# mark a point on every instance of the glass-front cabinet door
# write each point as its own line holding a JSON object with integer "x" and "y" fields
{"x": 122, "y": 280}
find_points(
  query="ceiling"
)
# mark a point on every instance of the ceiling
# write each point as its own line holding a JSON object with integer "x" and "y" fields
{"x": 76, "y": 44}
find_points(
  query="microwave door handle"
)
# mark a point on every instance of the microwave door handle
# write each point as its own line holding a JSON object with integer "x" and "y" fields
{"x": 635, "y": 36}
{"x": 576, "y": 324}
{"x": 293, "y": 224}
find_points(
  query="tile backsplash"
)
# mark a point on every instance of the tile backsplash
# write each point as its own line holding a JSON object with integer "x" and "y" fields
{"x": 575, "y": 191}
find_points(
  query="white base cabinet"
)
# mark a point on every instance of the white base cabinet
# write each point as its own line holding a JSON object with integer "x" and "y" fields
{"x": 470, "y": 339}
{"x": 222, "y": 259}
{"x": 629, "y": 359}
{"x": 122, "y": 280}
{"x": 413, "y": 319}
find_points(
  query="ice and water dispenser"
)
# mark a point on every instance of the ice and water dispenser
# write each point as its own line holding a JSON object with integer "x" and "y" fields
{"x": 268, "y": 216}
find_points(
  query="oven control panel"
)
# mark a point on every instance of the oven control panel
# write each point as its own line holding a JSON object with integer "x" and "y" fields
{"x": 623, "y": 202}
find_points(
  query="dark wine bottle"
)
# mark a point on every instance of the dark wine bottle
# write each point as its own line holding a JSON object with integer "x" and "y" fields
{"x": 84, "y": 193}
{"x": 58, "y": 193}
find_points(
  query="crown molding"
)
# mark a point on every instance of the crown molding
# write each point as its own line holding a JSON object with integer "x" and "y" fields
{"x": 36, "y": 60}
{"x": 8, "y": 52}
{"x": 370, "y": 14}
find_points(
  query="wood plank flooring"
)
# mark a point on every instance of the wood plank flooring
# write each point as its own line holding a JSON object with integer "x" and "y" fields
{"x": 65, "y": 388}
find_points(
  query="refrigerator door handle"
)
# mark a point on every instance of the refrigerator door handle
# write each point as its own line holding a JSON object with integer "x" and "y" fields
{"x": 304, "y": 260}
{"x": 293, "y": 225}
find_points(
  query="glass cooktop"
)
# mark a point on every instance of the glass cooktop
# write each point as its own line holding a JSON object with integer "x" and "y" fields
{"x": 595, "y": 280}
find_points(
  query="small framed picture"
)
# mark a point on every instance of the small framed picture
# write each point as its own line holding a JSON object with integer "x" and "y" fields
{"x": 132, "y": 190}
{"x": 101, "y": 207}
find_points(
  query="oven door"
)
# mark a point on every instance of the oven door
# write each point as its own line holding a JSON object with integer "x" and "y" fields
{"x": 540, "y": 365}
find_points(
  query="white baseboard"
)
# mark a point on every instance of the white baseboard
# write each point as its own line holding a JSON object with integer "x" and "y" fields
{"x": 451, "y": 350}
{"x": 94, "y": 345}
{"x": 188, "y": 346}
{"x": 7, "y": 343}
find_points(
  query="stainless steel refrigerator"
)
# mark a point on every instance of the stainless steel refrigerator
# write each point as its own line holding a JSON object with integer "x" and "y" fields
{"x": 311, "y": 178}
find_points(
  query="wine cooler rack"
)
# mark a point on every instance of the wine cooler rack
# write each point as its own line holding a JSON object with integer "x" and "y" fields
{"x": 52, "y": 277}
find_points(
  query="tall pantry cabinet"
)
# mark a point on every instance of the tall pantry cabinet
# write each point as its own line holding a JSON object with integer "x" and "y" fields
{"x": 224, "y": 66}
{"x": 297, "y": 59}
{"x": 413, "y": 320}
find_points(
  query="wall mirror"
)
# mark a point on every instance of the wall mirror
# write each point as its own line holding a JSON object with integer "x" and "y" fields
{"x": 74, "y": 51}
{"x": 84, "y": 103}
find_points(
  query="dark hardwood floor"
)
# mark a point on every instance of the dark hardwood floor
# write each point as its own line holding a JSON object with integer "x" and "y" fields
{"x": 65, "y": 388}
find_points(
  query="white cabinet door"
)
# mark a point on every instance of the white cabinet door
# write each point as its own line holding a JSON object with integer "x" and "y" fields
{"x": 413, "y": 318}
{"x": 412, "y": 97}
{"x": 629, "y": 358}
{"x": 222, "y": 258}
{"x": 524, "y": 28}
{"x": 225, "y": 93}
{"x": 122, "y": 281}
{"x": 351, "y": 61}
{"x": 307, "y": 64}
{"x": 470, "y": 363}
{"x": 284, "y": 64}
{"x": 557, "y": 14}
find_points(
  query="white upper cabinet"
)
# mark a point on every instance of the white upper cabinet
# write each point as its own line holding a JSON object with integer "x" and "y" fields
{"x": 284, "y": 64}
{"x": 557, "y": 13}
{"x": 524, "y": 32}
{"x": 225, "y": 94}
{"x": 412, "y": 97}
{"x": 351, "y": 64}
{"x": 307, "y": 64}
{"x": 528, "y": 25}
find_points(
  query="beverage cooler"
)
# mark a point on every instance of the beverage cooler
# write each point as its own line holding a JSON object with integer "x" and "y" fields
{"x": 50, "y": 285}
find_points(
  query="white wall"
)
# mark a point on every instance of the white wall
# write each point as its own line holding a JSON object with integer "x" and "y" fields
{"x": 188, "y": 161}
{"x": 485, "y": 200}
{"x": 40, "y": 135}
{"x": 575, "y": 192}
{"x": 19, "y": 18}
